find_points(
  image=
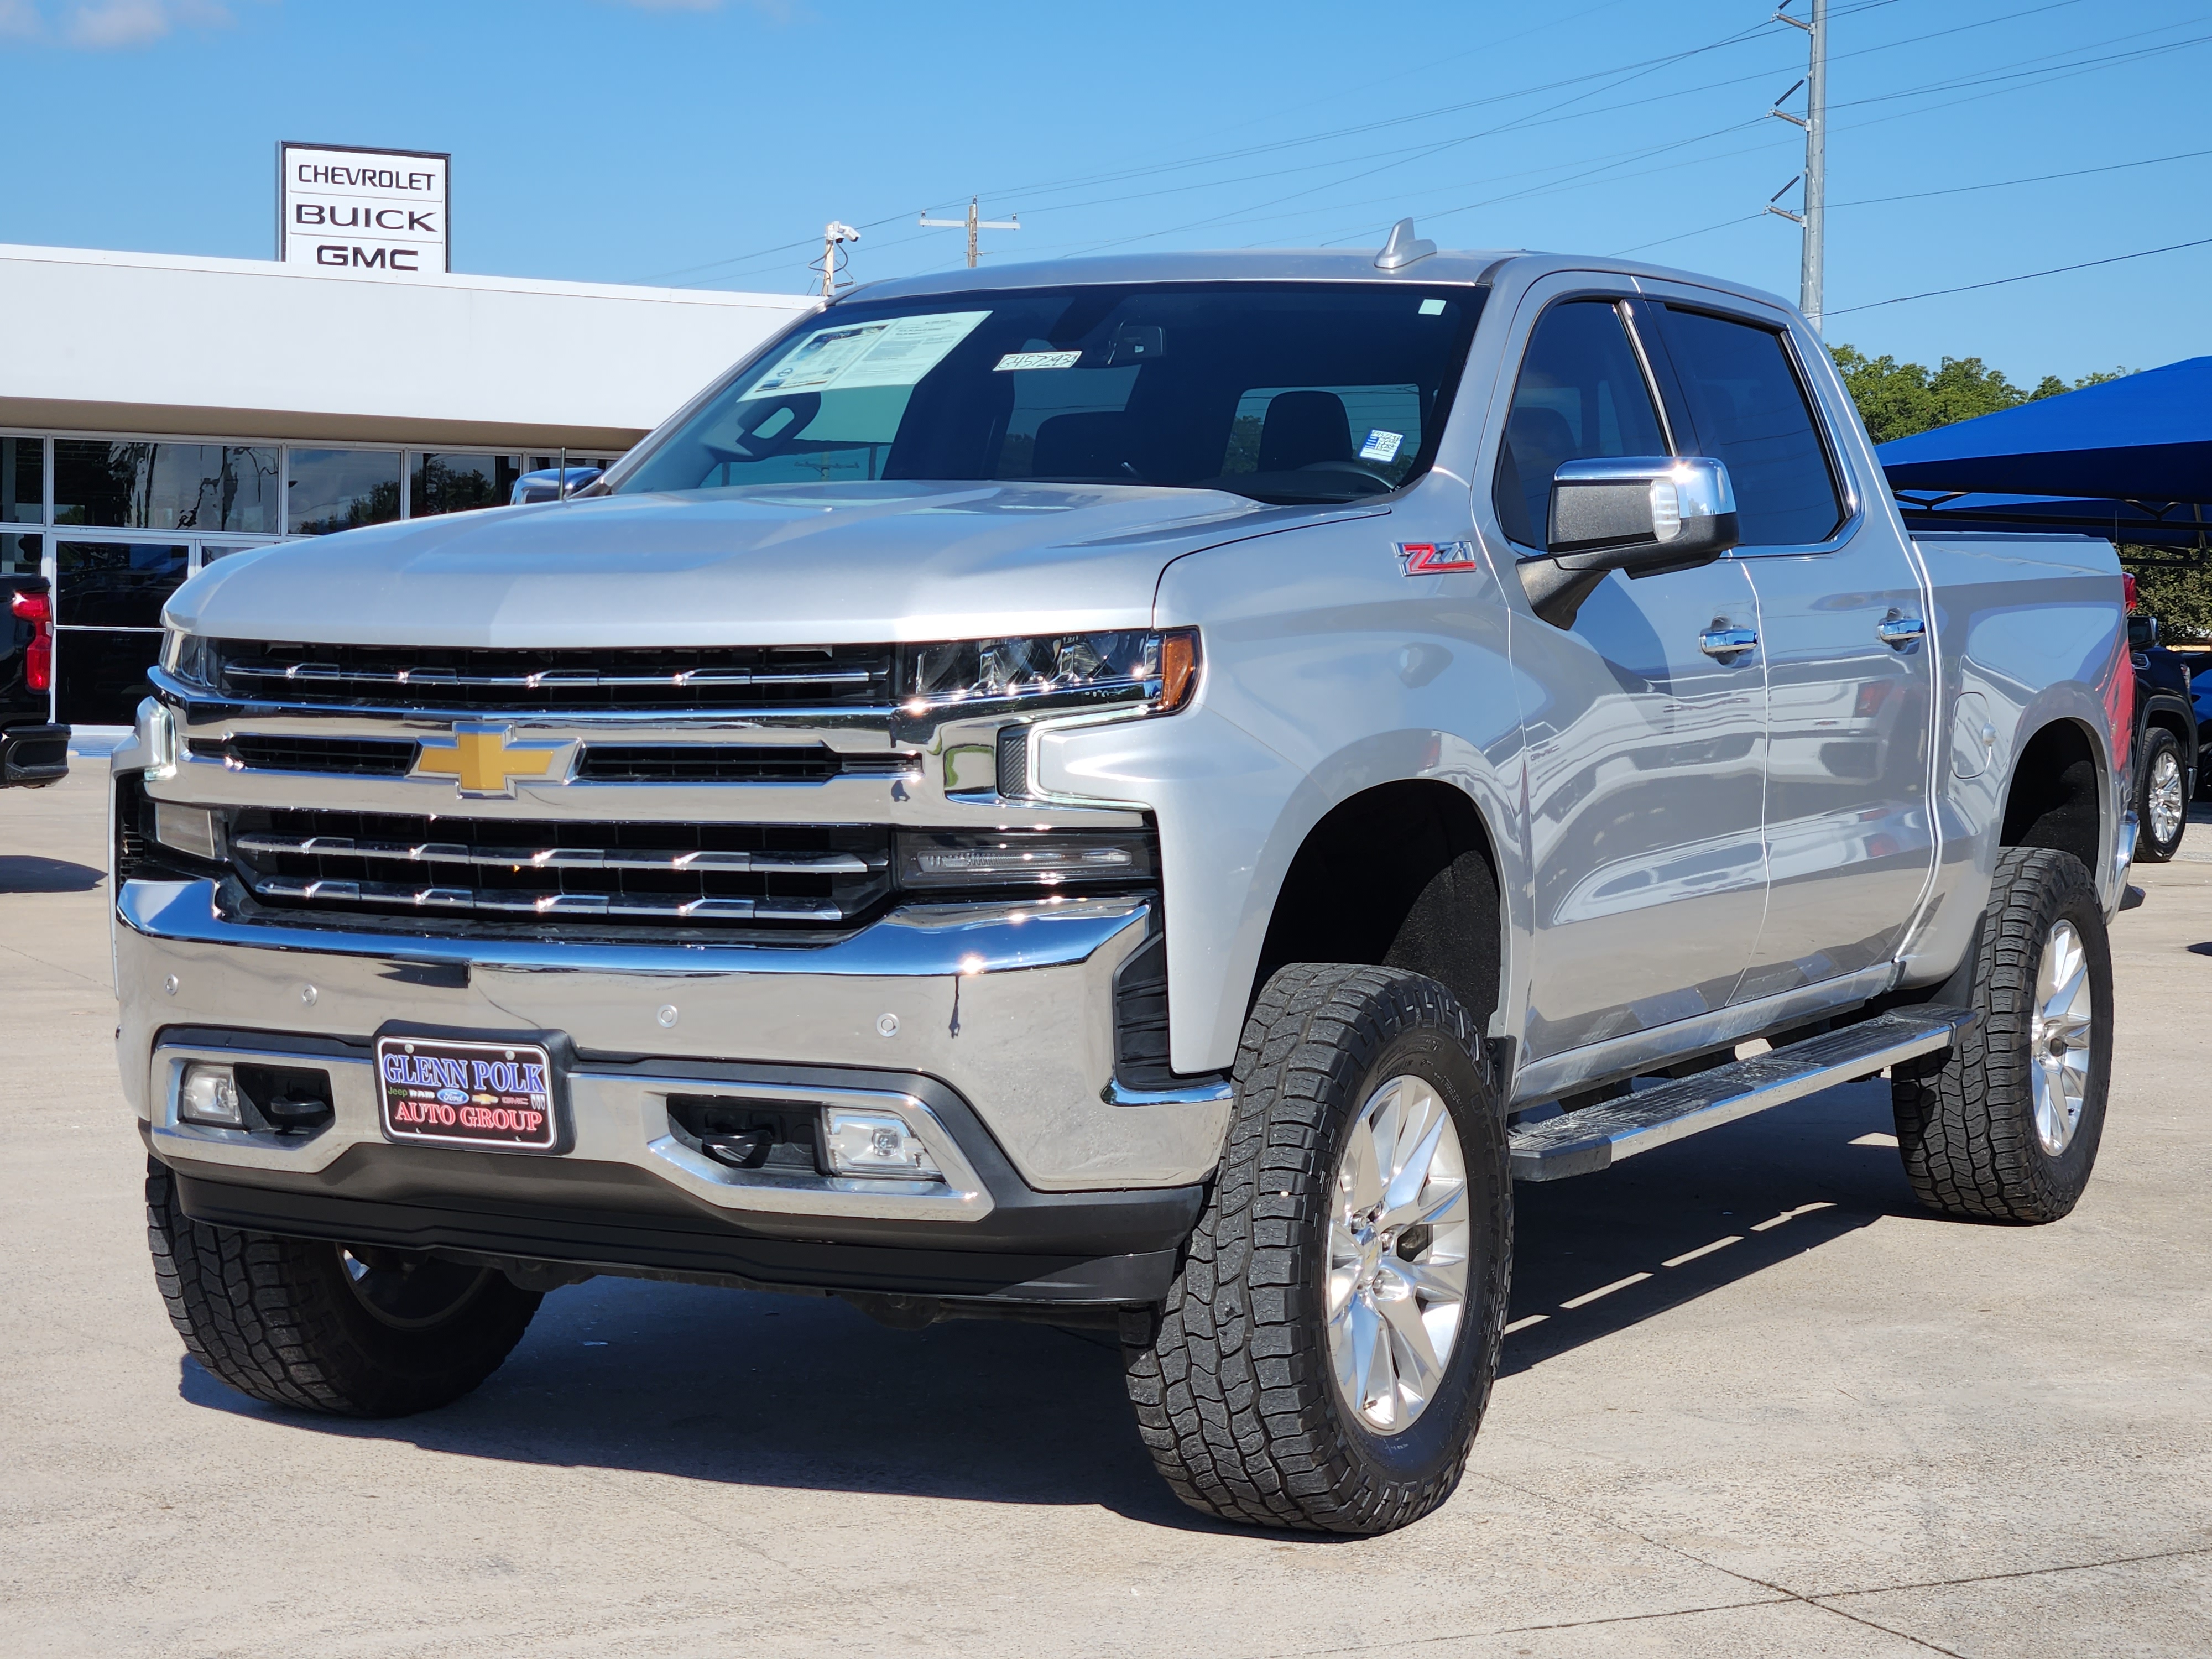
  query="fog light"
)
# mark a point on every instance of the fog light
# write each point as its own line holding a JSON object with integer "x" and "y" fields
{"x": 875, "y": 1143}
{"x": 208, "y": 1095}
{"x": 187, "y": 829}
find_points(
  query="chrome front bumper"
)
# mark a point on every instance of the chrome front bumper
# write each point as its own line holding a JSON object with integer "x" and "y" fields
{"x": 1010, "y": 1007}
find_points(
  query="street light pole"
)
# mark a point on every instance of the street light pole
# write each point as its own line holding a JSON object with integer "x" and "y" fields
{"x": 1813, "y": 220}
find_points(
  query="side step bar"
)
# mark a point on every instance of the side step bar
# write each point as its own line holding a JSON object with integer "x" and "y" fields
{"x": 1597, "y": 1137}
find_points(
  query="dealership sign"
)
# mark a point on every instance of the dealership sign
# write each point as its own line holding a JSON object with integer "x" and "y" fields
{"x": 366, "y": 212}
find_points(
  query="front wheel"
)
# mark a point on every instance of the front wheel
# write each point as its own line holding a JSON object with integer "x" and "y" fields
{"x": 1325, "y": 1355}
{"x": 2161, "y": 797}
{"x": 355, "y": 1331}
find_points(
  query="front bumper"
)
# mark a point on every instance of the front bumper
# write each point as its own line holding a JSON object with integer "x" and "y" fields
{"x": 988, "y": 1028}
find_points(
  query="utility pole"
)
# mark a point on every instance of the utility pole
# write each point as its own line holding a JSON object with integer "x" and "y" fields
{"x": 835, "y": 232}
{"x": 1815, "y": 123}
{"x": 975, "y": 224}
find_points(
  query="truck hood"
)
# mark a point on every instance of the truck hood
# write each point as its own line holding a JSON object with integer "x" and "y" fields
{"x": 821, "y": 564}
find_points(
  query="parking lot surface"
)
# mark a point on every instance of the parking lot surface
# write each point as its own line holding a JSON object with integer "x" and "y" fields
{"x": 1755, "y": 1403}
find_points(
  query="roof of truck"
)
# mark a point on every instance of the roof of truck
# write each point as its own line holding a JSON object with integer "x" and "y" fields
{"x": 1273, "y": 264}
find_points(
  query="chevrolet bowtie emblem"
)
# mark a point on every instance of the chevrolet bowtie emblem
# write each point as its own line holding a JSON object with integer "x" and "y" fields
{"x": 483, "y": 761}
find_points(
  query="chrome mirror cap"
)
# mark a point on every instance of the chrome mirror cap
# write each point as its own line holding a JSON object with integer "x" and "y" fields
{"x": 1645, "y": 515}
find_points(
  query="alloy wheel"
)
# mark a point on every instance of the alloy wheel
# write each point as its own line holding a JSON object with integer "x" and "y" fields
{"x": 2164, "y": 797}
{"x": 1398, "y": 1239}
{"x": 2060, "y": 1037}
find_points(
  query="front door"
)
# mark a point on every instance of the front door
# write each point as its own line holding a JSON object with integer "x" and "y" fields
{"x": 1848, "y": 677}
{"x": 1643, "y": 724}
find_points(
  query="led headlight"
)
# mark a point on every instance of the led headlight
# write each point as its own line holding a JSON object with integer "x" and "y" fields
{"x": 1160, "y": 670}
{"x": 189, "y": 657}
{"x": 1039, "y": 859}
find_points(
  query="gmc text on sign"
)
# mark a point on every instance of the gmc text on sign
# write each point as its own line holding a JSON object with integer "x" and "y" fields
{"x": 364, "y": 212}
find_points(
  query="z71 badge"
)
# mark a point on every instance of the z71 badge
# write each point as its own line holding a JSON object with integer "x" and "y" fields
{"x": 1424, "y": 558}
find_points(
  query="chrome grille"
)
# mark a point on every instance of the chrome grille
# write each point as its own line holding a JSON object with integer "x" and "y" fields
{"x": 436, "y": 678}
{"x": 368, "y": 758}
{"x": 663, "y": 874}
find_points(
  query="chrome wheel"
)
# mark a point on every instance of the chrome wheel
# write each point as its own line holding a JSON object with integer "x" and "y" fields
{"x": 2059, "y": 1038}
{"x": 1398, "y": 1239}
{"x": 2162, "y": 797}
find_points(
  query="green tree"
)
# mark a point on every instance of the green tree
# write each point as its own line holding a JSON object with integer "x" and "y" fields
{"x": 1898, "y": 399}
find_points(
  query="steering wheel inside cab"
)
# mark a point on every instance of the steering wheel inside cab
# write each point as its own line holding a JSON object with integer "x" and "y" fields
{"x": 766, "y": 426}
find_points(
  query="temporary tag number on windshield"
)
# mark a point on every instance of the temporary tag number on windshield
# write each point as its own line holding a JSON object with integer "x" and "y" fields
{"x": 1038, "y": 360}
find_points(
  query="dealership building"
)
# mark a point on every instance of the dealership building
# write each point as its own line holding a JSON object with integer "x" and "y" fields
{"x": 158, "y": 412}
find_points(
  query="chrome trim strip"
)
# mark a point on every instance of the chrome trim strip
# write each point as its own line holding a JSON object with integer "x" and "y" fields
{"x": 952, "y": 941}
{"x": 1198, "y": 1094}
{"x": 562, "y": 858}
{"x": 554, "y": 905}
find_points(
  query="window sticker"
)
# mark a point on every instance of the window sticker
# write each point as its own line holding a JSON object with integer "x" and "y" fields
{"x": 1432, "y": 308}
{"x": 1381, "y": 446}
{"x": 1014, "y": 360}
{"x": 897, "y": 351}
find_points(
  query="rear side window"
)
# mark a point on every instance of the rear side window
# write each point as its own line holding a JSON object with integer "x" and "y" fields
{"x": 1752, "y": 416}
{"x": 1581, "y": 394}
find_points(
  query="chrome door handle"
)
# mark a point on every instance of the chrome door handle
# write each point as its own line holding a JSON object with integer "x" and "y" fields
{"x": 1900, "y": 631}
{"x": 1724, "y": 642}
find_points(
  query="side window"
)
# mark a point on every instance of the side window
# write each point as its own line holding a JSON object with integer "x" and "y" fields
{"x": 1752, "y": 416}
{"x": 1581, "y": 394}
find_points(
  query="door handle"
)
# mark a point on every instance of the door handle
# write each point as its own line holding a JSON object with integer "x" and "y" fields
{"x": 1898, "y": 632}
{"x": 1725, "y": 642}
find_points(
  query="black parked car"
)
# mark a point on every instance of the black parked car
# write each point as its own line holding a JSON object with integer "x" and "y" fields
{"x": 2166, "y": 743}
{"x": 33, "y": 750}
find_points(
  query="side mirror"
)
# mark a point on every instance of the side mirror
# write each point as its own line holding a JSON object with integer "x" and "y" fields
{"x": 1643, "y": 514}
{"x": 2143, "y": 633}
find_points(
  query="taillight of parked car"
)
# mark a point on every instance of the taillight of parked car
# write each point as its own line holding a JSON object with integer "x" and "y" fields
{"x": 37, "y": 610}
{"x": 2128, "y": 588}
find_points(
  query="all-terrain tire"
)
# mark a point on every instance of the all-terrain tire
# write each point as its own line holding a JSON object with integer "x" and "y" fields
{"x": 1966, "y": 1121}
{"x": 2161, "y": 797}
{"x": 1231, "y": 1378}
{"x": 289, "y": 1322}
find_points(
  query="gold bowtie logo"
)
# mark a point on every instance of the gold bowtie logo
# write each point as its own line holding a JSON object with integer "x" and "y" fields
{"x": 483, "y": 761}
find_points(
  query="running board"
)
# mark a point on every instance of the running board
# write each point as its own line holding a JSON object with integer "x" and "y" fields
{"x": 1597, "y": 1137}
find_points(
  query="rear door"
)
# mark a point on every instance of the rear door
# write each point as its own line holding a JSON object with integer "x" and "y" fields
{"x": 1842, "y": 620}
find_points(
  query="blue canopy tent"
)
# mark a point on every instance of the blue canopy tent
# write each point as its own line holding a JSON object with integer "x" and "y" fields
{"x": 2130, "y": 458}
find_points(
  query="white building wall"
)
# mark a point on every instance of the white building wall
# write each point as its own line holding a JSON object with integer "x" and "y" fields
{"x": 153, "y": 342}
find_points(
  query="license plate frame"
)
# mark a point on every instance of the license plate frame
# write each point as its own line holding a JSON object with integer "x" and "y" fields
{"x": 472, "y": 1093}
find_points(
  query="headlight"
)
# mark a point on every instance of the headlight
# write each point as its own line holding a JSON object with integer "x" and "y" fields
{"x": 1160, "y": 670}
{"x": 188, "y": 657}
{"x": 1039, "y": 859}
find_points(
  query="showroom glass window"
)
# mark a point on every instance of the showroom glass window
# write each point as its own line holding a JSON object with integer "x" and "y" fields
{"x": 165, "y": 486}
{"x": 22, "y": 480}
{"x": 331, "y": 489}
{"x": 1752, "y": 415}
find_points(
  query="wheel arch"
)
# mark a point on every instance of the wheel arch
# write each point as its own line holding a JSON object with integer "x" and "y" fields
{"x": 2057, "y": 795}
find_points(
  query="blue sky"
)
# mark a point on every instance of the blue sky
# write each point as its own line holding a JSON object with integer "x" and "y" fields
{"x": 694, "y": 141}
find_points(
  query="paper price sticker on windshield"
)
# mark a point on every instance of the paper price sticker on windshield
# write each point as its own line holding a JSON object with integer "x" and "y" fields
{"x": 897, "y": 351}
{"x": 1038, "y": 359}
{"x": 1381, "y": 446}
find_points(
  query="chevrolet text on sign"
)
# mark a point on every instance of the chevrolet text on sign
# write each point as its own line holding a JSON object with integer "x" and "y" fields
{"x": 364, "y": 212}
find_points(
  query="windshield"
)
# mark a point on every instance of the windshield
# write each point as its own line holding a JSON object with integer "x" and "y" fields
{"x": 1285, "y": 391}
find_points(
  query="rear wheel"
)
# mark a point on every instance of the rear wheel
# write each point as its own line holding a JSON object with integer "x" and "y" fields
{"x": 2005, "y": 1126}
{"x": 2161, "y": 797}
{"x": 354, "y": 1330}
{"x": 1324, "y": 1357}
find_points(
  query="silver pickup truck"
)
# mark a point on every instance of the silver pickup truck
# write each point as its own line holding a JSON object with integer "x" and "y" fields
{"x": 1143, "y": 792}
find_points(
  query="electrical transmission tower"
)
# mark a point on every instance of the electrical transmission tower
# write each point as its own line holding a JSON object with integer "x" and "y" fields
{"x": 1815, "y": 123}
{"x": 975, "y": 224}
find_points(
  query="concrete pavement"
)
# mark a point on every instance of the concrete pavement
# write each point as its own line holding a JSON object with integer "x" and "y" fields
{"x": 1756, "y": 1403}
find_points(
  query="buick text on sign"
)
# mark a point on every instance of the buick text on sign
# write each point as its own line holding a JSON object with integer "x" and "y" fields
{"x": 364, "y": 212}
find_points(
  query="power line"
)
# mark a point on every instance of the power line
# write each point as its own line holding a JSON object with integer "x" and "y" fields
{"x": 2027, "y": 276}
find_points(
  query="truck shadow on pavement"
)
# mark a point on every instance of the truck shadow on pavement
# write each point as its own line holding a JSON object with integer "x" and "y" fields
{"x": 26, "y": 872}
{"x": 765, "y": 1390}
